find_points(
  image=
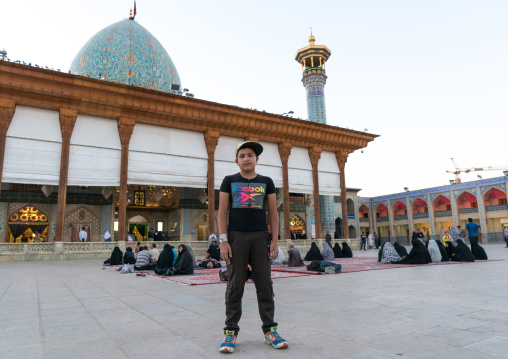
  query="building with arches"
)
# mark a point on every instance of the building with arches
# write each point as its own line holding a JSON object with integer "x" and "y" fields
{"x": 114, "y": 145}
{"x": 436, "y": 209}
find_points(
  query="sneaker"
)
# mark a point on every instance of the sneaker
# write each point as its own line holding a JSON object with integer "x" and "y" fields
{"x": 273, "y": 338}
{"x": 228, "y": 346}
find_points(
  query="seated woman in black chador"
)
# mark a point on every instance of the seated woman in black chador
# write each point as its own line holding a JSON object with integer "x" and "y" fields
{"x": 428, "y": 257}
{"x": 462, "y": 253}
{"x": 442, "y": 249}
{"x": 401, "y": 250}
{"x": 450, "y": 249}
{"x": 212, "y": 258}
{"x": 116, "y": 257}
{"x": 337, "y": 251}
{"x": 166, "y": 259}
{"x": 478, "y": 251}
{"x": 416, "y": 255}
{"x": 346, "y": 250}
{"x": 380, "y": 253}
{"x": 313, "y": 254}
{"x": 184, "y": 263}
{"x": 128, "y": 257}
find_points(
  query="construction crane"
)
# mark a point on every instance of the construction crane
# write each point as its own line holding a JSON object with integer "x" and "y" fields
{"x": 458, "y": 170}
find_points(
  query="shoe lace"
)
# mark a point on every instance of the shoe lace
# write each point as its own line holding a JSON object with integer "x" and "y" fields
{"x": 229, "y": 338}
{"x": 276, "y": 335}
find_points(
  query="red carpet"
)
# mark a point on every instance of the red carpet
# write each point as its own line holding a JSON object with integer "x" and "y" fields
{"x": 349, "y": 265}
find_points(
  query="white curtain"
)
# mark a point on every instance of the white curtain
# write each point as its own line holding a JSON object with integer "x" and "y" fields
{"x": 270, "y": 164}
{"x": 165, "y": 156}
{"x": 300, "y": 171}
{"x": 33, "y": 147}
{"x": 95, "y": 151}
{"x": 329, "y": 175}
{"x": 225, "y": 164}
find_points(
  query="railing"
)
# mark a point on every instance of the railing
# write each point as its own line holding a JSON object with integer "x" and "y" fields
{"x": 468, "y": 210}
{"x": 420, "y": 215}
{"x": 102, "y": 250}
{"x": 442, "y": 213}
{"x": 503, "y": 207}
{"x": 296, "y": 200}
{"x": 364, "y": 219}
{"x": 400, "y": 216}
{"x": 382, "y": 219}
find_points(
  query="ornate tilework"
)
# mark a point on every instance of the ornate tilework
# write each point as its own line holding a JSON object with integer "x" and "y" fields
{"x": 127, "y": 53}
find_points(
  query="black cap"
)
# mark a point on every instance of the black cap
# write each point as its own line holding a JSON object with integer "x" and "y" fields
{"x": 258, "y": 149}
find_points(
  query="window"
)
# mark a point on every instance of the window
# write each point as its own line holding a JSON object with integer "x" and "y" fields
{"x": 115, "y": 226}
{"x": 159, "y": 226}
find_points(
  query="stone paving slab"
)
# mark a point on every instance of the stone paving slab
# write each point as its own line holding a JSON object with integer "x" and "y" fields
{"x": 74, "y": 309}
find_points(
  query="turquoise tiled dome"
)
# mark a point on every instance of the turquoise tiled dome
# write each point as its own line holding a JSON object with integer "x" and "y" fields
{"x": 127, "y": 53}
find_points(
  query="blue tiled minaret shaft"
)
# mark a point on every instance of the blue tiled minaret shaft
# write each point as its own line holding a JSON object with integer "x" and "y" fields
{"x": 313, "y": 59}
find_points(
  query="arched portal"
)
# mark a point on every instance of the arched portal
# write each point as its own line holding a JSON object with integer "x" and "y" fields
{"x": 399, "y": 209}
{"x": 352, "y": 232}
{"x": 339, "y": 229}
{"x": 138, "y": 226}
{"x": 420, "y": 206}
{"x": 494, "y": 197}
{"x": 467, "y": 203}
{"x": 24, "y": 224}
{"x": 363, "y": 212}
{"x": 381, "y": 211}
{"x": 297, "y": 224}
{"x": 350, "y": 206}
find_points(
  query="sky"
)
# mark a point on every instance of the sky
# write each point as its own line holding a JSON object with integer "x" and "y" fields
{"x": 430, "y": 77}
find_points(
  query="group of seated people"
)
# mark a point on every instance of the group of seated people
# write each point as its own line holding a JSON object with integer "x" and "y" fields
{"x": 328, "y": 253}
{"x": 169, "y": 262}
{"x": 432, "y": 252}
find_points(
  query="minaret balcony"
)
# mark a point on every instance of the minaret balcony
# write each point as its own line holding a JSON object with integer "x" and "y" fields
{"x": 314, "y": 70}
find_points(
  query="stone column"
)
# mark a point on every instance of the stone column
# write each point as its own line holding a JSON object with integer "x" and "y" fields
{"x": 67, "y": 121}
{"x": 7, "y": 108}
{"x": 125, "y": 128}
{"x": 341, "y": 161}
{"x": 285, "y": 152}
{"x": 315, "y": 155}
{"x": 211, "y": 140}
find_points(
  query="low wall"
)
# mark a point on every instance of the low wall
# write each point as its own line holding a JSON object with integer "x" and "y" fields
{"x": 102, "y": 250}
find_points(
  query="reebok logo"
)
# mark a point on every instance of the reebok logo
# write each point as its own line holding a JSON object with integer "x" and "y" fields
{"x": 238, "y": 189}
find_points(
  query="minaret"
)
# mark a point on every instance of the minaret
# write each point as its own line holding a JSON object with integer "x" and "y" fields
{"x": 313, "y": 59}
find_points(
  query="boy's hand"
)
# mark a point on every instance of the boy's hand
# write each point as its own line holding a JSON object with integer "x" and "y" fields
{"x": 225, "y": 252}
{"x": 274, "y": 250}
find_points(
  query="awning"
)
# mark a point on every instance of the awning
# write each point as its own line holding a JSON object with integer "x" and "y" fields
{"x": 300, "y": 171}
{"x": 225, "y": 164}
{"x": 95, "y": 152}
{"x": 329, "y": 175}
{"x": 165, "y": 156}
{"x": 33, "y": 147}
{"x": 270, "y": 164}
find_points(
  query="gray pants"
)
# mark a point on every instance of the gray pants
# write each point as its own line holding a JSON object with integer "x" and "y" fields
{"x": 249, "y": 248}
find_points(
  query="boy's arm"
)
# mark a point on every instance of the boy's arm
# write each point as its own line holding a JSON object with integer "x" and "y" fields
{"x": 225, "y": 248}
{"x": 274, "y": 224}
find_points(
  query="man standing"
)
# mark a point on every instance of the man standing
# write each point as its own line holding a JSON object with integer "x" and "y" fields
{"x": 245, "y": 195}
{"x": 328, "y": 237}
{"x": 151, "y": 234}
{"x": 505, "y": 233}
{"x": 472, "y": 230}
{"x": 376, "y": 240}
{"x": 364, "y": 242}
{"x": 82, "y": 234}
{"x": 420, "y": 236}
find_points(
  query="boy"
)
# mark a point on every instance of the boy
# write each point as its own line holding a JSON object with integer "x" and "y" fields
{"x": 245, "y": 242}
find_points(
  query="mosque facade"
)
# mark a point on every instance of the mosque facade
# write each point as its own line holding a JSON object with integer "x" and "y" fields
{"x": 434, "y": 210}
{"x": 114, "y": 146}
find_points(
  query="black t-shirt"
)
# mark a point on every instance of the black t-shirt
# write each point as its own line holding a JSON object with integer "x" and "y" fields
{"x": 247, "y": 200}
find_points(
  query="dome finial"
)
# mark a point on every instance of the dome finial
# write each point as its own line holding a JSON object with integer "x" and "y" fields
{"x": 312, "y": 39}
{"x": 131, "y": 16}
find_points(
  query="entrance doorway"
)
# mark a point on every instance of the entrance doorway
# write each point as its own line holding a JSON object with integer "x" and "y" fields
{"x": 339, "y": 229}
{"x": 76, "y": 228}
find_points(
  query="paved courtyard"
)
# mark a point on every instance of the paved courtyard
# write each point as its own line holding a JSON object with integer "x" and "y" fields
{"x": 74, "y": 309}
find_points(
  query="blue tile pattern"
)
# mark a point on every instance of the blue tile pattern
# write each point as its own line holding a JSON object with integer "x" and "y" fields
{"x": 125, "y": 52}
